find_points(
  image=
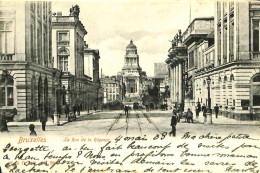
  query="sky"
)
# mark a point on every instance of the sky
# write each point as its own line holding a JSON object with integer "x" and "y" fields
{"x": 149, "y": 23}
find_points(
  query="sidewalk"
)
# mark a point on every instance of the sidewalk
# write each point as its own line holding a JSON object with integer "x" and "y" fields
{"x": 63, "y": 120}
{"x": 221, "y": 120}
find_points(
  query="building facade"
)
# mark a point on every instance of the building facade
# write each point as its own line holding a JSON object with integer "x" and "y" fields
{"x": 68, "y": 55}
{"x": 112, "y": 88}
{"x": 235, "y": 71}
{"x": 28, "y": 81}
{"x": 91, "y": 69}
{"x": 196, "y": 41}
{"x": 177, "y": 67}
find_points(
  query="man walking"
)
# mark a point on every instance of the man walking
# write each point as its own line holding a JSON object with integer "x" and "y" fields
{"x": 198, "y": 109}
{"x": 216, "y": 108}
{"x": 204, "y": 110}
{"x": 173, "y": 124}
{"x": 43, "y": 121}
{"x": 189, "y": 116}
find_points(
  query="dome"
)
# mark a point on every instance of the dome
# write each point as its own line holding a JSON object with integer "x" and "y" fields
{"x": 131, "y": 45}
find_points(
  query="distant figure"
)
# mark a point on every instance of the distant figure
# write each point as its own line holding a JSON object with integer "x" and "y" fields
{"x": 126, "y": 110}
{"x": 173, "y": 124}
{"x": 216, "y": 108}
{"x": 198, "y": 109}
{"x": 67, "y": 110}
{"x": 147, "y": 108}
{"x": 189, "y": 116}
{"x": 74, "y": 111}
{"x": 15, "y": 111}
{"x": 95, "y": 108}
{"x": 33, "y": 113}
{"x": 78, "y": 110}
{"x": 33, "y": 132}
{"x": 43, "y": 121}
{"x": 204, "y": 110}
{"x": 3, "y": 123}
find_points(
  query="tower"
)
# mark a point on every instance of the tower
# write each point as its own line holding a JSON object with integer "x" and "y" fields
{"x": 131, "y": 74}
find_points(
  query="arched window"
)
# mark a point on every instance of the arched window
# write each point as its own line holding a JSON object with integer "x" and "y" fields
{"x": 255, "y": 90}
{"x": 63, "y": 59}
{"x": 6, "y": 90}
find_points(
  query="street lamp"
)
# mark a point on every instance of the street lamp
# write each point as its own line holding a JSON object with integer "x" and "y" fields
{"x": 209, "y": 100}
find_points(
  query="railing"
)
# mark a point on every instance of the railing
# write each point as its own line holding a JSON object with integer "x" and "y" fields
{"x": 6, "y": 57}
{"x": 255, "y": 55}
{"x": 63, "y": 43}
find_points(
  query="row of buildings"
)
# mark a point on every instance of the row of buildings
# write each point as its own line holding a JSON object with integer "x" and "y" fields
{"x": 131, "y": 85}
{"x": 44, "y": 62}
{"x": 217, "y": 61}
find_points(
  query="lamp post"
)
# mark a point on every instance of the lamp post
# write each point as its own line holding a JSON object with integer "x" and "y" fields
{"x": 209, "y": 101}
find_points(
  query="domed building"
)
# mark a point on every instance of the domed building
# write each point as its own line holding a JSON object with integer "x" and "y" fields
{"x": 132, "y": 75}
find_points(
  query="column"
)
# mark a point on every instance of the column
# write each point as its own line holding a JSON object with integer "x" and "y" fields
{"x": 172, "y": 74}
{"x": 174, "y": 89}
{"x": 180, "y": 82}
{"x": 177, "y": 82}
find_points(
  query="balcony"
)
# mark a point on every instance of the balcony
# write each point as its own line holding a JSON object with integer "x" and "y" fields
{"x": 63, "y": 43}
{"x": 6, "y": 57}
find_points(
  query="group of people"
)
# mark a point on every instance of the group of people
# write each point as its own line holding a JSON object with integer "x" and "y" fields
{"x": 204, "y": 110}
{"x": 176, "y": 115}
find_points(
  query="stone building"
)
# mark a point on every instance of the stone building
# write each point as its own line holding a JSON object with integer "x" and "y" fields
{"x": 235, "y": 73}
{"x": 68, "y": 51}
{"x": 196, "y": 42}
{"x": 177, "y": 67}
{"x": 160, "y": 80}
{"x": 28, "y": 81}
{"x": 91, "y": 69}
{"x": 132, "y": 75}
{"x": 112, "y": 88}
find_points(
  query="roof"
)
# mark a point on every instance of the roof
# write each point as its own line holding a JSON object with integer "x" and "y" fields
{"x": 131, "y": 45}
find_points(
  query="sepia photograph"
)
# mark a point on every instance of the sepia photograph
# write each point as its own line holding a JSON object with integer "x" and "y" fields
{"x": 130, "y": 86}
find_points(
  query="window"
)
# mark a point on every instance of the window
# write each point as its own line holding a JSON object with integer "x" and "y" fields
{"x": 6, "y": 91}
{"x": 255, "y": 89}
{"x": 255, "y": 36}
{"x": 191, "y": 59}
{"x": 63, "y": 63}
{"x": 63, "y": 36}
{"x": 6, "y": 37}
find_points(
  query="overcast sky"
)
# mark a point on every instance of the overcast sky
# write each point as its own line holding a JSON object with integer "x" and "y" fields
{"x": 111, "y": 25}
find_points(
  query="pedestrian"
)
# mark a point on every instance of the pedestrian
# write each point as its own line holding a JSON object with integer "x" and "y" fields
{"x": 3, "y": 124}
{"x": 95, "y": 108}
{"x": 33, "y": 132}
{"x": 74, "y": 111}
{"x": 216, "y": 108}
{"x": 189, "y": 116}
{"x": 78, "y": 110}
{"x": 43, "y": 121}
{"x": 173, "y": 124}
{"x": 198, "y": 109}
{"x": 204, "y": 110}
{"x": 126, "y": 110}
{"x": 67, "y": 110}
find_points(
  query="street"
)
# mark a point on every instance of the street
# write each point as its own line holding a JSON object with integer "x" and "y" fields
{"x": 139, "y": 123}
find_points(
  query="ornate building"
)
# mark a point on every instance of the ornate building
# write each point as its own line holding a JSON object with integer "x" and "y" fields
{"x": 28, "y": 81}
{"x": 177, "y": 67}
{"x": 68, "y": 51}
{"x": 132, "y": 75}
{"x": 234, "y": 69}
